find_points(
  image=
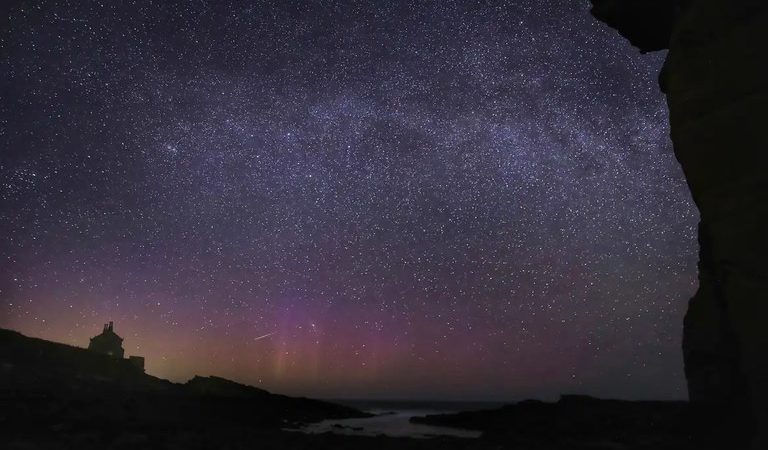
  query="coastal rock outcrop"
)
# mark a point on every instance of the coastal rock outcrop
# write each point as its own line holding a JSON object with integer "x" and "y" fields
{"x": 714, "y": 79}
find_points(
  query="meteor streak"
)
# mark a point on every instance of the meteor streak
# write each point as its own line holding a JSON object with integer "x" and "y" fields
{"x": 265, "y": 336}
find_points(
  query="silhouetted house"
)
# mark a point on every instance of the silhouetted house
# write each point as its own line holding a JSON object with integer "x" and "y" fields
{"x": 109, "y": 343}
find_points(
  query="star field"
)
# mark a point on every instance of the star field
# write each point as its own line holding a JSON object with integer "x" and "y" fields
{"x": 460, "y": 200}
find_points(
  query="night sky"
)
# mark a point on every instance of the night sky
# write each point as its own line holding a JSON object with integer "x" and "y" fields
{"x": 374, "y": 199}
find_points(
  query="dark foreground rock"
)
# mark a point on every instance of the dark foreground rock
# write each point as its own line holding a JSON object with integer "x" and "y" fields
{"x": 577, "y": 422}
{"x": 233, "y": 439}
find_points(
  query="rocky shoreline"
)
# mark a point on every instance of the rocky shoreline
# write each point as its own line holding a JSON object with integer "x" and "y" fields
{"x": 54, "y": 396}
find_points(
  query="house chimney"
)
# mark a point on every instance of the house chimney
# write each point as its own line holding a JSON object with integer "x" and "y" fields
{"x": 110, "y": 325}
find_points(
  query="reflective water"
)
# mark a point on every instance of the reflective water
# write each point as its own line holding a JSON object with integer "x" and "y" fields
{"x": 391, "y": 423}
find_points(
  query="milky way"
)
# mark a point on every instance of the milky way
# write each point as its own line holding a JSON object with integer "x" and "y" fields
{"x": 464, "y": 200}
